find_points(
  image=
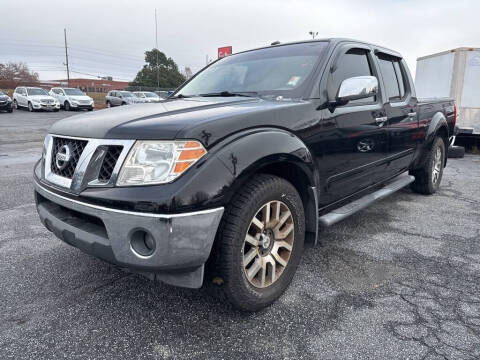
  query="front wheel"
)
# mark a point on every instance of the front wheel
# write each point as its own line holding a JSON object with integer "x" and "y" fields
{"x": 15, "y": 104}
{"x": 30, "y": 107}
{"x": 259, "y": 243}
{"x": 66, "y": 106}
{"x": 428, "y": 178}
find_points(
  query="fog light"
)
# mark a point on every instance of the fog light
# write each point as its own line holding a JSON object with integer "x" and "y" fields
{"x": 142, "y": 243}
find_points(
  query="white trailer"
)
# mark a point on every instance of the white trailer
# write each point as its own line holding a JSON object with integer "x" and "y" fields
{"x": 456, "y": 74}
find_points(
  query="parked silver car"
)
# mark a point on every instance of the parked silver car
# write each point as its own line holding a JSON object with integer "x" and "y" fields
{"x": 118, "y": 97}
{"x": 148, "y": 96}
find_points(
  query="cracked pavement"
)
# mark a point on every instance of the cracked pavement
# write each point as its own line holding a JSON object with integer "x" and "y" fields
{"x": 399, "y": 280}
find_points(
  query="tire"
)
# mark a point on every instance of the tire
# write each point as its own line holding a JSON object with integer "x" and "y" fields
{"x": 228, "y": 275}
{"x": 90, "y": 109}
{"x": 10, "y": 110}
{"x": 30, "y": 107}
{"x": 456, "y": 152}
{"x": 427, "y": 181}
{"x": 66, "y": 106}
{"x": 108, "y": 104}
{"x": 124, "y": 103}
{"x": 15, "y": 104}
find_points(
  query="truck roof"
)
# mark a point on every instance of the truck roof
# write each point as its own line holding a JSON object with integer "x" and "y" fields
{"x": 448, "y": 52}
{"x": 334, "y": 41}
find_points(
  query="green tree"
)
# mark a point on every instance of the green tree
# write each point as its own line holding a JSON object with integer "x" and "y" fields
{"x": 159, "y": 71}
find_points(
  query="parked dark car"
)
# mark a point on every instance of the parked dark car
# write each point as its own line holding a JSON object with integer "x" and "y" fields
{"x": 118, "y": 98}
{"x": 223, "y": 182}
{"x": 6, "y": 103}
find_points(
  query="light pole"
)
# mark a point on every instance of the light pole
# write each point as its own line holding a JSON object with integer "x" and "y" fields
{"x": 313, "y": 34}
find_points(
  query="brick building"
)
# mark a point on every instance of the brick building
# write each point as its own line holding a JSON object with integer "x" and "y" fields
{"x": 89, "y": 85}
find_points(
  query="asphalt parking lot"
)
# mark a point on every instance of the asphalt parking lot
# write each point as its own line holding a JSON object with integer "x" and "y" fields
{"x": 399, "y": 280}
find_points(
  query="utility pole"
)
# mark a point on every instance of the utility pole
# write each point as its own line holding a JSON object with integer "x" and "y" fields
{"x": 156, "y": 47}
{"x": 66, "y": 57}
{"x": 313, "y": 34}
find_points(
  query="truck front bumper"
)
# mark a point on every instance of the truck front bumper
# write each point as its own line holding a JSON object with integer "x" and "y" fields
{"x": 172, "y": 248}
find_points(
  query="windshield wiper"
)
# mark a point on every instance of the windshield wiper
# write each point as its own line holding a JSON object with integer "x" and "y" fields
{"x": 228, "y": 93}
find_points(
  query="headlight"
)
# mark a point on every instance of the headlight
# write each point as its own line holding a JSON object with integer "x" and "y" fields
{"x": 159, "y": 162}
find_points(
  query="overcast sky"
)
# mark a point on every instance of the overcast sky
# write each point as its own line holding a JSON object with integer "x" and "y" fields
{"x": 109, "y": 37}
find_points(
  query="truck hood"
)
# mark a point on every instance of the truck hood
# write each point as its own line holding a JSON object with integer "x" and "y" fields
{"x": 204, "y": 119}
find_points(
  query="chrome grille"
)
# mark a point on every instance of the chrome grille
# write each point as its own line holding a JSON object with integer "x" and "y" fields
{"x": 88, "y": 166}
{"x": 109, "y": 162}
{"x": 76, "y": 148}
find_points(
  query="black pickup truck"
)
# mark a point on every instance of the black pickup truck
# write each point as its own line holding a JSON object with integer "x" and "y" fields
{"x": 224, "y": 182}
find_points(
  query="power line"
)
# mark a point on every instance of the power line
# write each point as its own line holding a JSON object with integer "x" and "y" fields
{"x": 97, "y": 76}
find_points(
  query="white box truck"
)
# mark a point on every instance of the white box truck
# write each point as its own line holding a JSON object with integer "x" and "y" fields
{"x": 456, "y": 74}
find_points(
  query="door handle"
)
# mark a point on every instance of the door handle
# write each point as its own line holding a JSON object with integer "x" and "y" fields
{"x": 381, "y": 120}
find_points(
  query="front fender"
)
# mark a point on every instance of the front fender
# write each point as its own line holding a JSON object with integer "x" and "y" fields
{"x": 249, "y": 151}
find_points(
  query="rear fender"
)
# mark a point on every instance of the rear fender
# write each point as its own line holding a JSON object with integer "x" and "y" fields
{"x": 438, "y": 126}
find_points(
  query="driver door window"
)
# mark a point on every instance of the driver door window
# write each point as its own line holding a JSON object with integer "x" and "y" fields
{"x": 353, "y": 63}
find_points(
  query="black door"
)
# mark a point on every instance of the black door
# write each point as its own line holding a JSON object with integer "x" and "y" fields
{"x": 400, "y": 108}
{"x": 350, "y": 144}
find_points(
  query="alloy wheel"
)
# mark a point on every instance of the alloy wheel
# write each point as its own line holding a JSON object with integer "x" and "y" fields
{"x": 437, "y": 165}
{"x": 268, "y": 244}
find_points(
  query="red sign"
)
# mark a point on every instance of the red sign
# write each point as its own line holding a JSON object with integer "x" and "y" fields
{"x": 224, "y": 51}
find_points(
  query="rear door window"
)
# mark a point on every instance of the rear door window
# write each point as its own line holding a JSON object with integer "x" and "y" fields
{"x": 393, "y": 78}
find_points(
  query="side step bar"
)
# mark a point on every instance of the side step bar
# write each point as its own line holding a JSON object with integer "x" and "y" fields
{"x": 351, "y": 208}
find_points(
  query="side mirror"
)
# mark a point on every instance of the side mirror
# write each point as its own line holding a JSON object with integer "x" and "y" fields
{"x": 355, "y": 88}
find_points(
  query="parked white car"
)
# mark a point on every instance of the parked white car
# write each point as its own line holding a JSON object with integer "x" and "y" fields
{"x": 34, "y": 98}
{"x": 72, "y": 98}
{"x": 147, "y": 96}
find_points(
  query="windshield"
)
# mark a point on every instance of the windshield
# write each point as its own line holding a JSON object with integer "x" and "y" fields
{"x": 126, "y": 94}
{"x": 151, "y": 95}
{"x": 36, "y": 91}
{"x": 279, "y": 70}
{"x": 74, "y": 92}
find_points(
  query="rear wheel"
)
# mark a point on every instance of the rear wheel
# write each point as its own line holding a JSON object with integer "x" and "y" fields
{"x": 108, "y": 104}
{"x": 259, "y": 243}
{"x": 428, "y": 178}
